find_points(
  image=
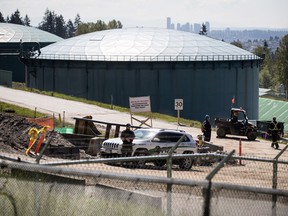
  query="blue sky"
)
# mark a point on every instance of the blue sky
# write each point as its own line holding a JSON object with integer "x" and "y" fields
{"x": 153, "y": 13}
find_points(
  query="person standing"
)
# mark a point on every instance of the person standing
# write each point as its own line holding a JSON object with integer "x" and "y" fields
{"x": 274, "y": 131}
{"x": 206, "y": 128}
{"x": 127, "y": 136}
{"x": 234, "y": 117}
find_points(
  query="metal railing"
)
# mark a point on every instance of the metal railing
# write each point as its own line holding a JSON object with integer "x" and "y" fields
{"x": 143, "y": 58}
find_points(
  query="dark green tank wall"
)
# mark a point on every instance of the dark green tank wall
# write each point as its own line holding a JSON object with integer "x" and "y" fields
{"x": 13, "y": 63}
{"x": 205, "y": 87}
{"x": 10, "y": 60}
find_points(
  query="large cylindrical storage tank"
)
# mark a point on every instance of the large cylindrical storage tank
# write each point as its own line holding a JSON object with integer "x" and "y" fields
{"x": 160, "y": 63}
{"x": 19, "y": 40}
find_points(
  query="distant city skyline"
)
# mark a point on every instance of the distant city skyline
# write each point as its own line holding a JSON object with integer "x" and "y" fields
{"x": 233, "y": 14}
{"x": 188, "y": 27}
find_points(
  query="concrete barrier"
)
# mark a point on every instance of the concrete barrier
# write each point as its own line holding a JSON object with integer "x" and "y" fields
{"x": 94, "y": 146}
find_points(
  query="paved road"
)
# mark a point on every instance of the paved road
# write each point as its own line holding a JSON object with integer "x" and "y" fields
{"x": 50, "y": 105}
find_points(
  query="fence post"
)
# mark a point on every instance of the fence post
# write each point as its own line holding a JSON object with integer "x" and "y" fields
{"x": 207, "y": 191}
{"x": 37, "y": 179}
{"x": 274, "y": 180}
{"x": 240, "y": 151}
{"x": 38, "y": 157}
{"x": 35, "y": 112}
{"x": 169, "y": 175}
{"x": 274, "y": 186}
{"x": 63, "y": 119}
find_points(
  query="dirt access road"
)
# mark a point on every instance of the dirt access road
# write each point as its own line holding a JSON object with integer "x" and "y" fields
{"x": 50, "y": 105}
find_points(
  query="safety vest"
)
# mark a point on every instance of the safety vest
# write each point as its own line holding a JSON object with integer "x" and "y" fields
{"x": 275, "y": 124}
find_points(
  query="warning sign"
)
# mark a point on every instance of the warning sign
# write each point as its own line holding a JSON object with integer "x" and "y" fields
{"x": 140, "y": 104}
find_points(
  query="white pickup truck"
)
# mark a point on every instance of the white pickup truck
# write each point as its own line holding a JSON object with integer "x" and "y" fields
{"x": 151, "y": 141}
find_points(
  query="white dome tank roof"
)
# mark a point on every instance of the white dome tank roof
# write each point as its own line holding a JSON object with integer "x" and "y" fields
{"x": 144, "y": 44}
{"x": 13, "y": 33}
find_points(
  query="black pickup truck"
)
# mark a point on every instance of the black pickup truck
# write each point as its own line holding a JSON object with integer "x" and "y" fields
{"x": 237, "y": 124}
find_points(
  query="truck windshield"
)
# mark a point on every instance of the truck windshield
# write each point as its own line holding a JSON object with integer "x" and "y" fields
{"x": 242, "y": 116}
{"x": 144, "y": 134}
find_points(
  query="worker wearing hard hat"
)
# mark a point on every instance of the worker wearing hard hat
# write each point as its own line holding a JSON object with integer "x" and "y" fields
{"x": 206, "y": 128}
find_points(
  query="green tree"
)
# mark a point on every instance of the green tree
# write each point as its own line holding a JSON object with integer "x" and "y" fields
{"x": 282, "y": 62}
{"x": 70, "y": 29}
{"x": 264, "y": 53}
{"x": 16, "y": 18}
{"x": 60, "y": 26}
{"x": 77, "y": 21}
{"x": 114, "y": 24}
{"x": 49, "y": 22}
{"x": 26, "y": 20}
{"x": 100, "y": 25}
{"x": 265, "y": 44}
{"x": 1, "y": 18}
{"x": 83, "y": 28}
{"x": 267, "y": 78}
{"x": 119, "y": 24}
{"x": 237, "y": 43}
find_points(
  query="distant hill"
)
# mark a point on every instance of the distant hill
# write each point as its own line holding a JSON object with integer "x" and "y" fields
{"x": 247, "y": 35}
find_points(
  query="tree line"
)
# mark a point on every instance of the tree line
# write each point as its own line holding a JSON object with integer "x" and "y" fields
{"x": 57, "y": 25}
{"x": 274, "y": 65}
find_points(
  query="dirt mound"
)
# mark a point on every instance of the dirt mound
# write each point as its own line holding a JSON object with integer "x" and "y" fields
{"x": 14, "y": 136}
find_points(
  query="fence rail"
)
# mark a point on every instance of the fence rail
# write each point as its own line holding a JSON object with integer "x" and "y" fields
{"x": 143, "y": 58}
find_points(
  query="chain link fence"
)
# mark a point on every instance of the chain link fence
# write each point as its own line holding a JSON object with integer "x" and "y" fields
{"x": 217, "y": 184}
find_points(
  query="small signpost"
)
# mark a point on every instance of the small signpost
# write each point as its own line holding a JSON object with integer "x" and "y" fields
{"x": 140, "y": 104}
{"x": 178, "y": 107}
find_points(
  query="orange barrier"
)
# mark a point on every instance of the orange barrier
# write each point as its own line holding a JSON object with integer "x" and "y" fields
{"x": 43, "y": 122}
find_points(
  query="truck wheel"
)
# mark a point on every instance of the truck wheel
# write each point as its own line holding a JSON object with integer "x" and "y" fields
{"x": 159, "y": 163}
{"x": 252, "y": 135}
{"x": 140, "y": 163}
{"x": 186, "y": 163}
{"x": 221, "y": 132}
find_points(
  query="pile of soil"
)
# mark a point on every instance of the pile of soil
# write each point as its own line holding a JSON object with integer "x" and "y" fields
{"x": 14, "y": 136}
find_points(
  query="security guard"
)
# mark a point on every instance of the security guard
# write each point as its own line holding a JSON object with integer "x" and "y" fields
{"x": 274, "y": 131}
{"x": 127, "y": 137}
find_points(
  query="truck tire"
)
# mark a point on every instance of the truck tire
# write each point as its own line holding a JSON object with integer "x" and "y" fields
{"x": 159, "y": 163}
{"x": 140, "y": 163}
{"x": 251, "y": 135}
{"x": 186, "y": 163}
{"x": 221, "y": 132}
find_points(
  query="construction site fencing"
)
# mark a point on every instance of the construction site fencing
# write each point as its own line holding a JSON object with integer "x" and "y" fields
{"x": 217, "y": 184}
